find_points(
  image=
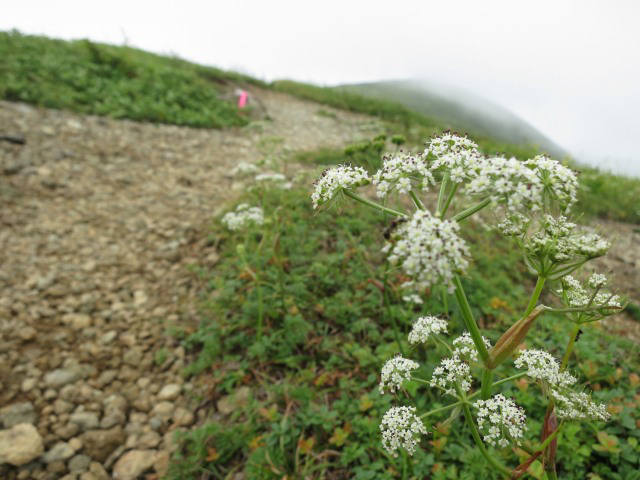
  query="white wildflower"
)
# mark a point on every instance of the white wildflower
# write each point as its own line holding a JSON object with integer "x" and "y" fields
{"x": 395, "y": 372}
{"x": 244, "y": 168}
{"x": 542, "y": 366}
{"x": 450, "y": 373}
{"x": 334, "y": 180}
{"x": 559, "y": 182}
{"x": 425, "y": 327}
{"x": 578, "y": 406}
{"x": 402, "y": 172}
{"x": 428, "y": 249}
{"x": 401, "y": 428}
{"x": 466, "y": 349}
{"x": 574, "y": 294}
{"x": 507, "y": 182}
{"x": 456, "y": 155}
{"x": 597, "y": 280}
{"x": 514, "y": 225}
{"x": 500, "y": 420}
{"x": 413, "y": 298}
{"x": 243, "y": 216}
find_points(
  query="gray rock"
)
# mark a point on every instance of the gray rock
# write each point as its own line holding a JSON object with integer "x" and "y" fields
{"x": 85, "y": 420}
{"x": 133, "y": 463}
{"x": 60, "y": 451}
{"x": 108, "y": 337}
{"x": 99, "y": 444}
{"x": 63, "y": 376}
{"x": 20, "y": 444}
{"x": 79, "y": 463}
{"x": 183, "y": 417}
{"x": 12, "y": 415}
{"x": 169, "y": 392}
{"x": 149, "y": 440}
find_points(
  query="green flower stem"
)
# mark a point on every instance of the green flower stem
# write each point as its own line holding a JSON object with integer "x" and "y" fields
{"x": 390, "y": 314}
{"x": 487, "y": 378}
{"x": 469, "y": 322}
{"x": 570, "y": 344}
{"x": 371, "y": 204}
{"x": 441, "y": 409}
{"x": 449, "y": 198}
{"x": 508, "y": 379}
{"x": 535, "y": 296}
{"x": 476, "y": 437}
{"x": 458, "y": 217}
{"x": 443, "y": 188}
{"x": 417, "y": 202}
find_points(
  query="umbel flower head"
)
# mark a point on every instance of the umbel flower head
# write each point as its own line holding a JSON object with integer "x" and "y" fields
{"x": 243, "y": 216}
{"x": 596, "y": 302}
{"x": 452, "y": 373}
{"x": 542, "y": 366}
{"x": 559, "y": 183}
{"x": 500, "y": 420}
{"x": 334, "y": 180}
{"x": 559, "y": 242}
{"x": 401, "y": 428}
{"x": 402, "y": 172}
{"x": 426, "y": 327}
{"x": 578, "y": 406}
{"x": 428, "y": 249}
{"x": 395, "y": 372}
{"x": 458, "y": 156}
{"x": 465, "y": 349}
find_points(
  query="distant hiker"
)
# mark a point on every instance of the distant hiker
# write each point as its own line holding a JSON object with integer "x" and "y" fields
{"x": 243, "y": 97}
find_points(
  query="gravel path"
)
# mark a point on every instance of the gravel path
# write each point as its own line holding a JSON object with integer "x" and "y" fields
{"x": 99, "y": 220}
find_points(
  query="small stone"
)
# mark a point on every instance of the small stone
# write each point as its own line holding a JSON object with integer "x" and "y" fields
{"x": 169, "y": 392}
{"x": 62, "y": 376}
{"x": 27, "y": 333}
{"x": 161, "y": 463}
{"x": 77, "y": 321}
{"x": 113, "y": 418}
{"x": 60, "y": 451}
{"x": 183, "y": 417}
{"x": 20, "y": 444}
{"x": 79, "y": 463}
{"x": 85, "y": 420}
{"x": 62, "y": 406}
{"x": 57, "y": 467}
{"x": 133, "y": 463}
{"x": 28, "y": 384}
{"x": 132, "y": 357}
{"x": 67, "y": 431}
{"x": 98, "y": 470}
{"x": 75, "y": 443}
{"x": 108, "y": 337}
{"x": 163, "y": 410}
{"x": 106, "y": 377}
{"x": 99, "y": 444}
{"x": 149, "y": 440}
{"x": 22, "y": 412}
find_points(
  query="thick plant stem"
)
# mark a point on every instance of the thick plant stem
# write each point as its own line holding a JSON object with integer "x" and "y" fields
{"x": 572, "y": 342}
{"x": 487, "y": 378}
{"x": 443, "y": 188}
{"x": 445, "y": 207}
{"x": 469, "y": 322}
{"x": 476, "y": 437}
{"x": 535, "y": 296}
{"x": 458, "y": 217}
{"x": 416, "y": 201}
{"x": 371, "y": 204}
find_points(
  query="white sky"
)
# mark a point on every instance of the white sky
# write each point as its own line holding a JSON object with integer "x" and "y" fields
{"x": 570, "y": 68}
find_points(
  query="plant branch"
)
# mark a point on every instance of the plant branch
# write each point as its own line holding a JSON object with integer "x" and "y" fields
{"x": 371, "y": 204}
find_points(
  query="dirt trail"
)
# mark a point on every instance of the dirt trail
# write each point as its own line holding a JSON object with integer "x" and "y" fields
{"x": 99, "y": 220}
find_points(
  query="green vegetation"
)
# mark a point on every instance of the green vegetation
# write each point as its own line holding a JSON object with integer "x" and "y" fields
{"x": 120, "y": 82}
{"x": 312, "y": 408}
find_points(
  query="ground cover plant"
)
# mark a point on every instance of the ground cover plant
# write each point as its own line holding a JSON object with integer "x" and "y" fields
{"x": 304, "y": 313}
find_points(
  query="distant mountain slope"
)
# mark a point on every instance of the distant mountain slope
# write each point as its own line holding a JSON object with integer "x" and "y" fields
{"x": 460, "y": 109}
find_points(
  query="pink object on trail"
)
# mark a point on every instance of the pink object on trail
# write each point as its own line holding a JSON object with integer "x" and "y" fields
{"x": 242, "y": 99}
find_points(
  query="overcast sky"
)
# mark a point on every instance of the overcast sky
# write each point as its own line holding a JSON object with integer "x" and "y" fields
{"x": 570, "y": 68}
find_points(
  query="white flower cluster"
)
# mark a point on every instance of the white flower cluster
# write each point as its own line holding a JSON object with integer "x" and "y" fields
{"x": 466, "y": 349}
{"x": 514, "y": 225}
{"x": 277, "y": 179}
{"x": 244, "y": 168}
{"x": 500, "y": 420}
{"x": 593, "y": 303}
{"x": 542, "y": 366}
{"x": 578, "y": 406}
{"x": 450, "y": 373}
{"x": 457, "y": 155}
{"x": 395, "y": 372}
{"x": 243, "y": 216}
{"x": 400, "y": 172}
{"x": 401, "y": 428}
{"x": 508, "y": 182}
{"x": 425, "y": 327}
{"x": 559, "y": 182}
{"x": 428, "y": 249}
{"x": 559, "y": 241}
{"x": 334, "y": 180}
